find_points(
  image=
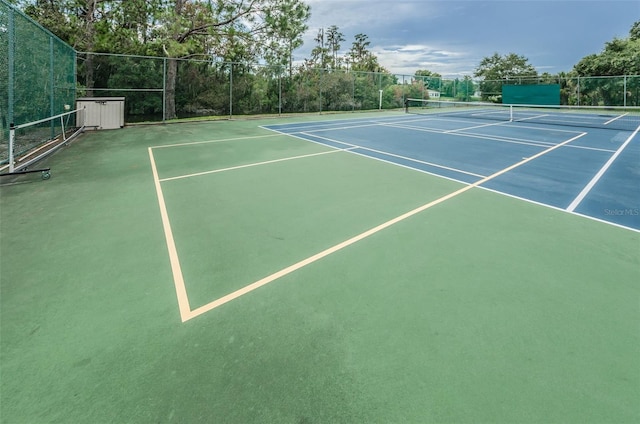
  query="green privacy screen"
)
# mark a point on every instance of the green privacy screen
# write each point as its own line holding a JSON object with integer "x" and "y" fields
{"x": 37, "y": 72}
{"x": 543, "y": 94}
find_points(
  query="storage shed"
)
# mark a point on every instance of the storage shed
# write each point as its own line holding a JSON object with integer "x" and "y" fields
{"x": 101, "y": 113}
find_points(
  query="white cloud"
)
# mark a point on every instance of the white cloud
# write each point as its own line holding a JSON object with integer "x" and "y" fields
{"x": 451, "y": 37}
{"x": 411, "y": 58}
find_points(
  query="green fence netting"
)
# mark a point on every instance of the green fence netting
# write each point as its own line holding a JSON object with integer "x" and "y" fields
{"x": 37, "y": 72}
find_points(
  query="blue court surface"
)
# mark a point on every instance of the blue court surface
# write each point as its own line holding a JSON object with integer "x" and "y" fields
{"x": 588, "y": 171}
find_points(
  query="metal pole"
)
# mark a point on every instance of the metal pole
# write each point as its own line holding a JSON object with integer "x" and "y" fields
{"x": 75, "y": 82}
{"x": 11, "y": 65}
{"x": 51, "y": 89}
{"x": 164, "y": 89}
{"x": 12, "y": 138}
{"x": 625, "y": 91}
{"x": 320, "y": 83}
{"x": 279, "y": 95}
{"x": 353, "y": 91}
{"x": 231, "y": 90}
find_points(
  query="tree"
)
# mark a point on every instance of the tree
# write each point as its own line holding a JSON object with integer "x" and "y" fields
{"x": 320, "y": 53}
{"x": 96, "y": 25}
{"x": 361, "y": 58}
{"x": 634, "y": 33}
{"x": 334, "y": 38}
{"x": 619, "y": 57}
{"x": 430, "y": 80}
{"x": 231, "y": 29}
{"x": 287, "y": 25}
{"x": 496, "y": 70}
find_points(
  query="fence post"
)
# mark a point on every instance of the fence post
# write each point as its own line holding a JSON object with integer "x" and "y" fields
{"x": 320, "y": 88}
{"x": 279, "y": 92}
{"x": 230, "y": 90}
{"x": 11, "y": 64}
{"x": 625, "y": 91}
{"x": 353, "y": 91}
{"x": 164, "y": 89}
{"x": 52, "y": 94}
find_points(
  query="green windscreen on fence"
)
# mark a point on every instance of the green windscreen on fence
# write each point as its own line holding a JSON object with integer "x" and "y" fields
{"x": 539, "y": 94}
{"x": 37, "y": 72}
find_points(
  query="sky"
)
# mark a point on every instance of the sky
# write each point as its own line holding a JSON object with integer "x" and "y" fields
{"x": 451, "y": 37}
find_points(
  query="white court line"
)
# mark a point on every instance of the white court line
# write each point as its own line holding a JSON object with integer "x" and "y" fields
{"x": 503, "y": 139}
{"x": 344, "y": 124}
{"x": 194, "y": 143}
{"x": 250, "y": 165}
{"x": 176, "y": 269}
{"x": 600, "y": 173}
{"x": 500, "y": 139}
{"x": 288, "y": 270}
{"x": 544, "y": 205}
{"x": 529, "y": 118}
{"x": 616, "y": 118}
{"x": 355, "y": 146}
{"x": 477, "y": 126}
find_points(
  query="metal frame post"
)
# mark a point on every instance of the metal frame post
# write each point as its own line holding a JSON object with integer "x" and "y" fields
{"x": 231, "y": 90}
{"x": 12, "y": 137}
{"x": 52, "y": 94}
{"x": 11, "y": 64}
{"x": 164, "y": 90}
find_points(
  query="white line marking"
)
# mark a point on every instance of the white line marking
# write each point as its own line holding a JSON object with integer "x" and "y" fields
{"x": 529, "y": 118}
{"x": 477, "y": 126}
{"x": 485, "y": 188}
{"x": 600, "y": 173}
{"x": 215, "y": 171}
{"x": 288, "y": 270}
{"x": 544, "y": 205}
{"x": 178, "y": 279}
{"x": 355, "y": 146}
{"x": 616, "y": 118}
{"x": 498, "y": 138}
{"x": 195, "y": 143}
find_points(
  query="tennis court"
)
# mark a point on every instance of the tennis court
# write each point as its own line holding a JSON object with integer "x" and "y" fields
{"x": 382, "y": 267}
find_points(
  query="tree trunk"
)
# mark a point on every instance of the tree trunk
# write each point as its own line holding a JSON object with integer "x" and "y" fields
{"x": 170, "y": 93}
{"x": 89, "y": 74}
{"x": 90, "y": 35}
{"x": 172, "y": 71}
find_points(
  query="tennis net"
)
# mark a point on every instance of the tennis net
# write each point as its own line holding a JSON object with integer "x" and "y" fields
{"x": 606, "y": 117}
{"x": 32, "y": 141}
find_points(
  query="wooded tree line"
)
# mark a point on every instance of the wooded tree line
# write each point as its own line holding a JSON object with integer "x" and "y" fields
{"x": 210, "y": 50}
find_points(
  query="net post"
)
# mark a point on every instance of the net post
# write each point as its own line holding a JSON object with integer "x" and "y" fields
{"x": 12, "y": 138}
{"x": 64, "y": 137}
{"x": 510, "y": 113}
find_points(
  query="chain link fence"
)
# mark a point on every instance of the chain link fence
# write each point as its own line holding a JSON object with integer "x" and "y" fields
{"x": 157, "y": 89}
{"x": 37, "y": 73}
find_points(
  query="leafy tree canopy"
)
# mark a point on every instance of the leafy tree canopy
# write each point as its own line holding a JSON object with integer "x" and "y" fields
{"x": 619, "y": 57}
{"x": 509, "y": 66}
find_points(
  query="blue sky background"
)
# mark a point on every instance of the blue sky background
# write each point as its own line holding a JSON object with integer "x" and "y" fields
{"x": 452, "y": 37}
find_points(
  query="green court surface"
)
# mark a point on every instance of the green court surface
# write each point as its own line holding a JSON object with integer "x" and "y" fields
{"x": 481, "y": 308}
